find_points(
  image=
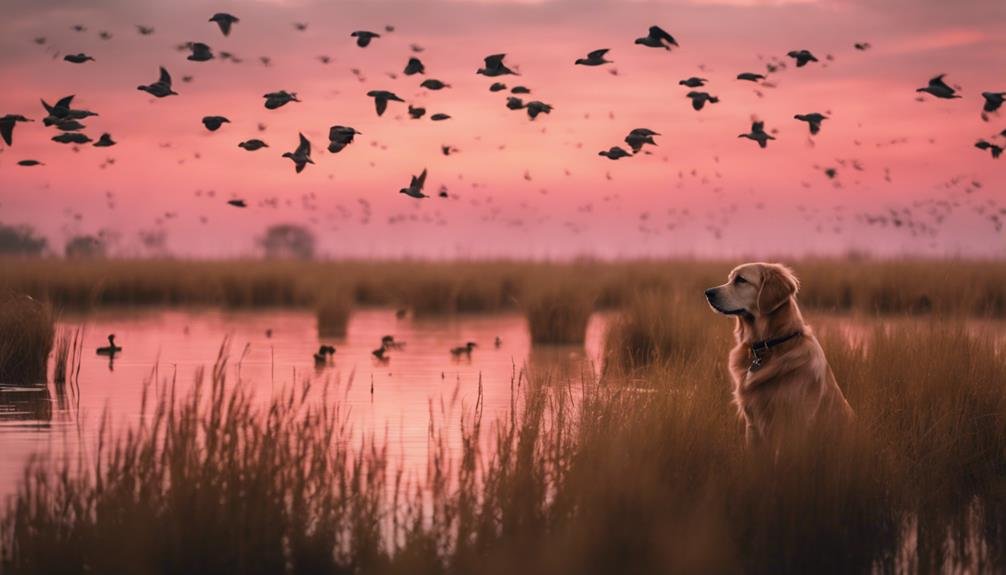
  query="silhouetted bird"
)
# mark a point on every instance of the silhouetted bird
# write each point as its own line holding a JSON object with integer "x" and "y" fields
{"x": 105, "y": 141}
{"x": 693, "y": 82}
{"x": 415, "y": 189}
{"x": 640, "y": 136}
{"x": 758, "y": 134}
{"x": 224, "y": 21}
{"x": 144, "y": 30}
{"x": 433, "y": 84}
{"x": 520, "y": 90}
{"x": 111, "y": 348}
{"x": 595, "y": 58}
{"x": 937, "y": 87}
{"x": 339, "y": 137}
{"x": 862, "y": 46}
{"x": 161, "y": 88}
{"x": 657, "y": 38}
{"x": 993, "y": 100}
{"x": 381, "y": 99}
{"x": 237, "y": 203}
{"x": 813, "y": 120}
{"x": 200, "y": 52}
{"x": 7, "y": 124}
{"x": 29, "y": 163}
{"x": 416, "y": 113}
{"x": 534, "y": 107}
{"x": 750, "y": 76}
{"x": 78, "y": 58}
{"x": 213, "y": 123}
{"x": 253, "y": 144}
{"x": 302, "y": 155}
{"x": 986, "y": 145}
{"x": 464, "y": 350}
{"x": 274, "y": 100}
{"x": 364, "y": 37}
{"x": 802, "y": 57}
{"x": 497, "y": 87}
{"x": 494, "y": 66}
{"x": 614, "y": 153}
{"x": 71, "y": 138}
{"x": 414, "y": 66}
{"x": 439, "y": 117}
{"x": 699, "y": 99}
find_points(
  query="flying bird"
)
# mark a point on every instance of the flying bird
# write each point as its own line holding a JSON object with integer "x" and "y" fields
{"x": 71, "y": 138}
{"x": 802, "y": 57}
{"x": 494, "y": 66}
{"x": 614, "y": 153}
{"x": 434, "y": 84}
{"x": 640, "y": 136}
{"x": 364, "y": 37}
{"x": 274, "y": 100}
{"x": 497, "y": 87}
{"x": 415, "y": 189}
{"x": 253, "y": 144}
{"x": 862, "y": 46}
{"x": 144, "y": 30}
{"x": 7, "y": 124}
{"x": 514, "y": 103}
{"x": 224, "y": 21}
{"x": 237, "y": 203}
{"x": 105, "y": 141}
{"x": 78, "y": 58}
{"x": 693, "y": 82}
{"x": 161, "y": 88}
{"x": 213, "y": 123}
{"x": 200, "y": 52}
{"x": 416, "y": 113}
{"x": 750, "y": 76}
{"x": 699, "y": 99}
{"x": 937, "y": 87}
{"x": 414, "y": 66}
{"x": 439, "y": 117}
{"x": 520, "y": 90}
{"x": 30, "y": 163}
{"x": 534, "y": 107}
{"x": 813, "y": 120}
{"x": 993, "y": 100}
{"x": 595, "y": 58}
{"x": 986, "y": 145}
{"x": 381, "y": 99}
{"x": 758, "y": 134}
{"x": 302, "y": 155}
{"x": 657, "y": 37}
{"x": 339, "y": 137}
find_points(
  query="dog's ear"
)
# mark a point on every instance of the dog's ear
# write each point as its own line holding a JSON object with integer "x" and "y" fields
{"x": 778, "y": 284}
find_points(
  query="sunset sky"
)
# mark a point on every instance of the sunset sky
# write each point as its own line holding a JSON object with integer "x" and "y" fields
{"x": 517, "y": 187}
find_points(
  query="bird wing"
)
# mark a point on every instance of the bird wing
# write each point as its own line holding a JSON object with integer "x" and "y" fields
{"x": 420, "y": 182}
{"x": 7, "y": 132}
{"x": 661, "y": 34}
{"x": 381, "y": 103}
{"x": 697, "y": 102}
{"x": 304, "y": 149}
{"x": 757, "y": 127}
{"x": 597, "y": 54}
{"x": 165, "y": 77}
{"x": 938, "y": 81}
{"x": 495, "y": 60}
{"x": 63, "y": 102}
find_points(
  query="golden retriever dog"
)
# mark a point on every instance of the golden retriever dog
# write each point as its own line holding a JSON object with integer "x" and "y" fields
{"x": 783, "y": 385}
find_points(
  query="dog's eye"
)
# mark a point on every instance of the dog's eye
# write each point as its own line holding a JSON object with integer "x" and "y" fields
{"x": 740, "y": 280}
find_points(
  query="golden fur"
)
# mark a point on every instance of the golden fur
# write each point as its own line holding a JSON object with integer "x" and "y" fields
{"x": 793, "y": 393}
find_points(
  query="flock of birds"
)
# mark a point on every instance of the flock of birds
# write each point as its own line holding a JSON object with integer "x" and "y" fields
{"x": 68, "y": 121}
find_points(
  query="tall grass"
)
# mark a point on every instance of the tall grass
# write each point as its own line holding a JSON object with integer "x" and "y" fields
{"x": 558, "y": 313}
{"x": 583, "y": 477}
{"x": 899, "y": 286}
{"x": 333, "y": 310}
{"x": 27, "y": 329}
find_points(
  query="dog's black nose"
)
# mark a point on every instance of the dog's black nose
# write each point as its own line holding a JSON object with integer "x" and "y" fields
{"x": 710, "y": 293}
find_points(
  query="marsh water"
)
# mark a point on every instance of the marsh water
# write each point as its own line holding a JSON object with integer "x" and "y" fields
{"x": 268, "y": 350}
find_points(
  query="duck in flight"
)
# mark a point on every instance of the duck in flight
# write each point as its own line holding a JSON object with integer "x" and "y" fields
{"x": 699, "y": 99}
{"x": 640, "y": 136}
{"x": 78, "y": 58}
{"x": 414, "y": 66}
{"x": 802, "y": 57}
{"x": 224, "y": 21}
{"x": 750, "y": 77}
{"x": 758, "y": 134}
{"x": 986, "y": 145}
{"x": 657, "y": 37}
{"x": 937, "y": 87}
{"x": 595, "y": 58}
{"x": 7, "y": 124}
{"x": 213, "y": 123}
{"x": 381, "y": 99}
{"x": 415, "y": 189}
{"x": 693, "y": 82}
{"x": 111, "y": 348}
{"x": 105, "y": 141}
{"x": 494, "y": 66}
{"x": 274, "y": 100}
{"x": 364, "y": 37}
{"x": 161, "y": 88}
{"x": 813, "y": 120}
{"x": 253, "y": 144}
{"x": 339, "y": 137}
{"x": 614, "y": 153}
{"x": 302, "y": 155}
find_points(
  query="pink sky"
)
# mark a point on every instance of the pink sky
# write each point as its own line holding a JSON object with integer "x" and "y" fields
{"x": 737, "y": 199}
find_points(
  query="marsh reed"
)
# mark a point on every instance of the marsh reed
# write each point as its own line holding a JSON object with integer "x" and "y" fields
{"x": 27, "y": 329}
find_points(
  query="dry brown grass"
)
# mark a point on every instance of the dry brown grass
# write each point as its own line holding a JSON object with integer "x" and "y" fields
{"x": 27, "y": 329}
{"x": 558, "y": 312}
{"x": 333, "y": 310}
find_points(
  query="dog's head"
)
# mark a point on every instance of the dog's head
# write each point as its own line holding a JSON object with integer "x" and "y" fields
{"x": 754, "y": 290}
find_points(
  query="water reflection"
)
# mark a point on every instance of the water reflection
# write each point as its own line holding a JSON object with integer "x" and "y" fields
{"x": 25, "y": 405}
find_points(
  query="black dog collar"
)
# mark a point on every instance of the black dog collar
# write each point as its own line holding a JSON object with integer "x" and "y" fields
{"x": 760, "y": 348}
